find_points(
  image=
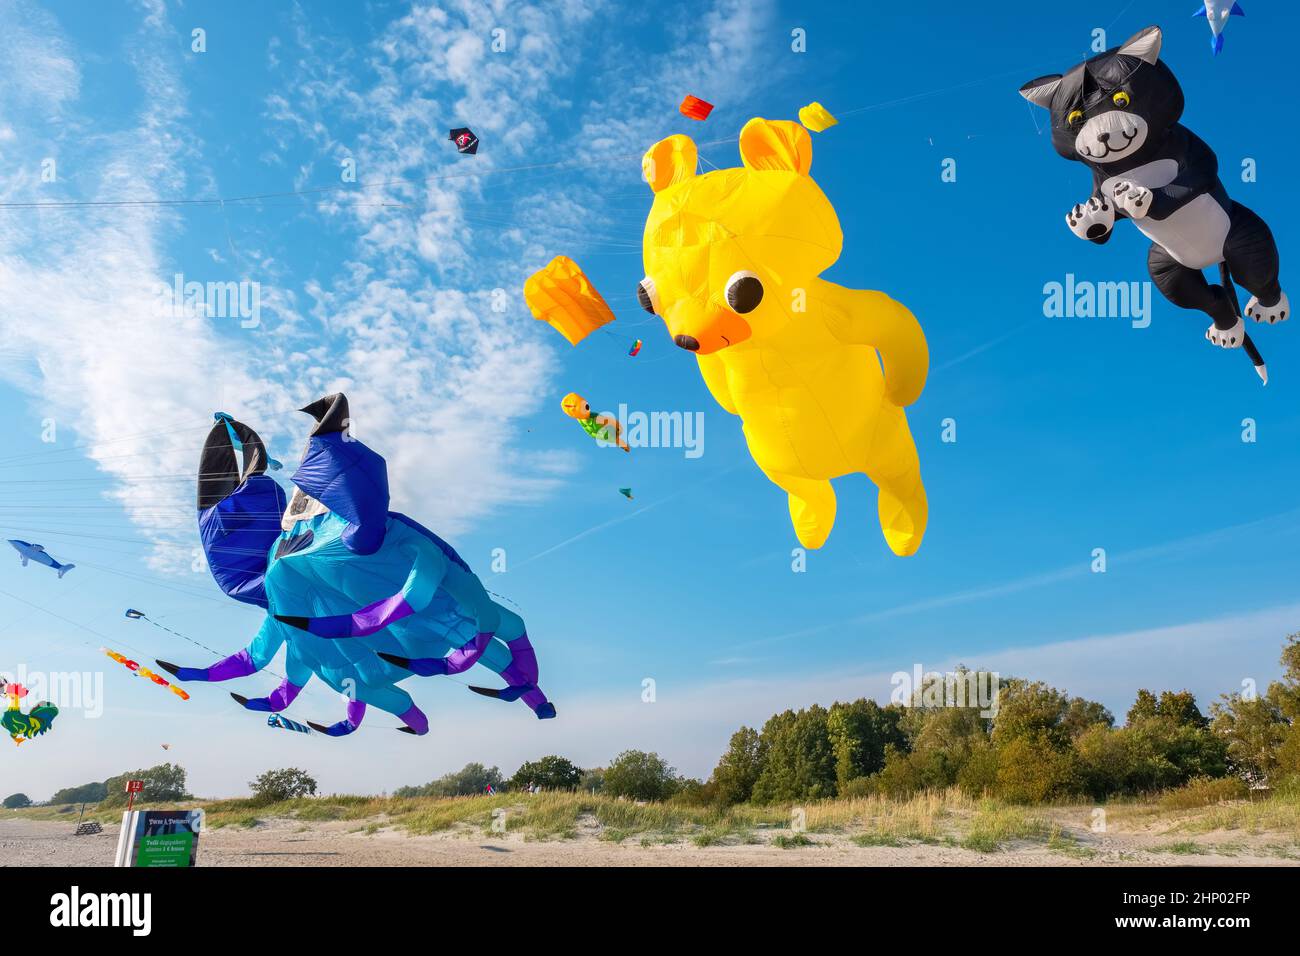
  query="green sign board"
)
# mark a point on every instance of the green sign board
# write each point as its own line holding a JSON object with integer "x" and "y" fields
{"x": 173, "y": 849}
{"x": 160, "y": 838}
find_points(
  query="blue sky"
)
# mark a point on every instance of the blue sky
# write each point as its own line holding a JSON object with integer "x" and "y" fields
{"x": 1072, "y": 433}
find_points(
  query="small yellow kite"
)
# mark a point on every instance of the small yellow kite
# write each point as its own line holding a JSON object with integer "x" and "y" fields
{"x": 562, "y": 295}
{"x": 816, "y": 117}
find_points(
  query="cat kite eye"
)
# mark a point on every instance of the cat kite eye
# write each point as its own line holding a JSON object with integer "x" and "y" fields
{"x": 1075, "y": 117}
{"x": 1121, "y": 99}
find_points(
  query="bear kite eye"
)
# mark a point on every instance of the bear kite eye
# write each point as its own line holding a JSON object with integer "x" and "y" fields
{"x": 1121, "y": 99}
{"x": 744, "y": 292}
{"x": 1075, "y": 117}
{"x": 647, "y": 295}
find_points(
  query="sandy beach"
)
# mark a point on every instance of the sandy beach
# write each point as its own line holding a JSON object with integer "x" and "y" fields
{"x": 289, "y": 842}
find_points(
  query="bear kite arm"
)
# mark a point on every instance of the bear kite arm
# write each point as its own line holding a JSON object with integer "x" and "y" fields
{"x": 714, "y": 373}
{"x": 858, "y": 317}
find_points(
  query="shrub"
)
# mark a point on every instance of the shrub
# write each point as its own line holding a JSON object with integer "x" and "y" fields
{"x": 16, "y": 801}
{"x": 471, "y": 779}
{"x": 979, "y": 775}
{"x": 549, "y": 773}
{"x": 640, "y": 776}
{"x": 165, "y": 782}
{"x": 1204, "y": 792}
{"x": 860, "y": 787}
{"x": 287, "y": 784}
{"x": 901, "y": 776}
{"x": 1031, "y": 769}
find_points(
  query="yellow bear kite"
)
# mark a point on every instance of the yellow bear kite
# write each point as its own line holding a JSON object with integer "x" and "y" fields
{"x": 732, "y": 260}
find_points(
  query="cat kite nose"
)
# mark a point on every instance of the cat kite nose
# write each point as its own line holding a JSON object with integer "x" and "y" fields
{"x": 688, "y": 342}
{"x": 1103, "y": 137}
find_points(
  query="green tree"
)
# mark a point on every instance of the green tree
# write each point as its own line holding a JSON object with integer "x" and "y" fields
{"x": 165, "y": 782}
{"x": 859, "y": 733}
{"x": 470, "y": 779}
{"x": 799, "y": 762}
{"x": 86, "y": 793}
{"x": 16, "y": 801}
{"x": 1032, "y": 710}
{"x": 1081, "y": 715}
{"x": 734, "y": 776}
{"x": 1180, "y": 707}
{"x": 288, "y": 783}
{"x": 640, "y": 776}
{"x": 1106, "y": 761}
{"x": 1034, "y": 768}
{"x": 1254, "y": 730}
{"x": 940, "y": 742}
{"x": 549, "y": 773}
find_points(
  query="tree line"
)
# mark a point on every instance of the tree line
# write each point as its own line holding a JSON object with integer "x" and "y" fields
{"x": 1037, "y": 744}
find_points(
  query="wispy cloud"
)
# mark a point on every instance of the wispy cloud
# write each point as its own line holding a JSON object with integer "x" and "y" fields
{"x": 1281, "y": 524}
{"x": 411, "y": 321}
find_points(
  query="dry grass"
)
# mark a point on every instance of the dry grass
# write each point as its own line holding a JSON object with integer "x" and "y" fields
{"x": 936, "y": 817}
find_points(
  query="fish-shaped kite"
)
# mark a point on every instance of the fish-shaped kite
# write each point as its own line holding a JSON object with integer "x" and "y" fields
{"x": 36, "y": 552}
{"x": 1216, "y": 13}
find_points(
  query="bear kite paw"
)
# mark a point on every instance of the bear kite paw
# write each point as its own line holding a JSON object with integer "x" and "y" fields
{"x": 1272, "y": 314}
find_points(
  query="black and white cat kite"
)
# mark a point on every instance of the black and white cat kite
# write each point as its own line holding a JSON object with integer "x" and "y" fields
{"x": 1118, "y": 113}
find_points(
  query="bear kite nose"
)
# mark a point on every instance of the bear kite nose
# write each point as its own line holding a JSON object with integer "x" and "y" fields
{"x": 688, "y": 342}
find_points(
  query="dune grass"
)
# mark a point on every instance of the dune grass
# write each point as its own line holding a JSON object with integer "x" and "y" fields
{"x": 946, "y": 817}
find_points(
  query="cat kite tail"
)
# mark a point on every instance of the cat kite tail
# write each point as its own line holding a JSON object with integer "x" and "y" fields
{"x": 732, "y": 262}
{"x": 1118, "y": 113}
{"x": 359, "y": 596}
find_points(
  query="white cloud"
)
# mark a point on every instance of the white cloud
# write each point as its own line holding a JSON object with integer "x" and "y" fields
{"x": 439, "y": 380}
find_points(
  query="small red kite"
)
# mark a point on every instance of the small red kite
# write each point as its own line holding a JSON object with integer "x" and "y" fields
{"x": 696, "y": 108}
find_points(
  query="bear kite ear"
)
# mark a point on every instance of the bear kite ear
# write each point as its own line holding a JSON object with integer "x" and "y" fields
{"x": 1144, "y": 45}
{"x": 668, "y": 162}
{"x": 1040, "y": 91}
{"x": 776, "y": 145}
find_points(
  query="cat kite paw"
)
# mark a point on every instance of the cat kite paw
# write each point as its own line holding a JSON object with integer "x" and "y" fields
{"x": 1091, "y": 219}
{"x": 1133, "y": 200}
{"x": 1227, "y": 338}
{"x": 1280, "y": 311}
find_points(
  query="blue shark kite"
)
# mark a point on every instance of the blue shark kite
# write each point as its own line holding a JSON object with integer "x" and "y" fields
{"x": 1216, "y": 12}
{"x": 37, "y": 553}
{"x": 361, "y": 597}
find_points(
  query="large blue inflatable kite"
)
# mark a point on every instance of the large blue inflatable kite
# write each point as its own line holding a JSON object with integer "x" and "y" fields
{"x": 360, "y": 596}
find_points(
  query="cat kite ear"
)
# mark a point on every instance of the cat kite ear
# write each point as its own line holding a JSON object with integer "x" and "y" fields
{"x": 776, "y": 145}
{"x": 669, "y": 161}
{"x": 1144, "y": 45}
{"x": 1040, "y": 91}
